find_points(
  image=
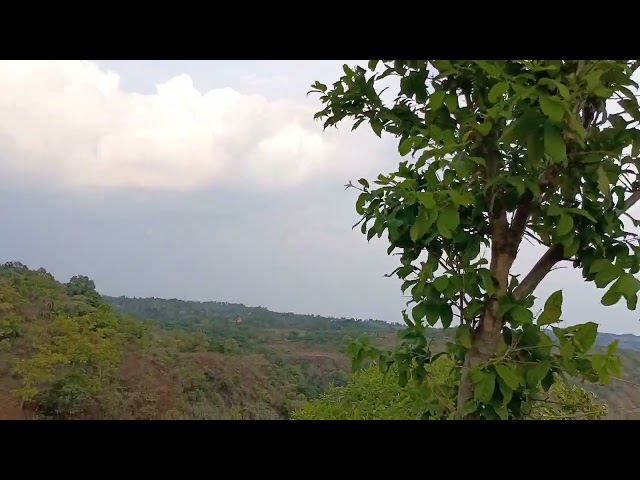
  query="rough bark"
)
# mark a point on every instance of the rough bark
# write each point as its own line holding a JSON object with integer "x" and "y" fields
{"x": 504, "y": 247}
{"x": 487, "y": 333}
{"x": 540, "y": 270}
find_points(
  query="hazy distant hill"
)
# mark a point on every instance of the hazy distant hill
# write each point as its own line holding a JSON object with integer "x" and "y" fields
{"x": 626, "y": 342}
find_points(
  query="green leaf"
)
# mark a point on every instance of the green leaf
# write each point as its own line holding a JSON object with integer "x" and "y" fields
{"x": 509, "y": 375}
{"x": 488, "y": 67}
{"x": 426, "y": 199}
{"x": 403, "y": 378}
{"x": 485, "y": 127}
{"x": 373, "y": 64}
{"x": 615, "y": 366}
{"x": 547, "y": 381}
{"x": 461, "y": 198}
{"x": 463, "y": 335}
{"x": 433, "y": 313}
{"x": 449, "y": 218}
{"x": 552, "y": 309}
{"x": 405, "y": 146}
{"x": 444, "y": 231}
{"x": 603, "y": 182}
{"x": 554, "y": 145}
{"x": 502, "y": 347}
{"x": 535, "y": 146}
{"x": 364, "y": 182}
{"x": 483, "y": 390}
{"x": 376, "y": 126}
{"x": 584, "y": 213}
{"x": 470, "y": 406}
{"x": 563, "y": 90}
{"x": 610, "y": 298}
{"x": 631, "y": 108}
{"x": 441, "y": 283}
{"x": 478, "y": 160}
{"x": 537, "y": 373}
{"x": 552, "y": 107}
{"x": 599, "y": 364}
{"x": 362, "y": 198}
{"x": 501, "y": 411}
{"x": 487, "y": 280}
{"x": 420, "y": 227}
{"x": 521, "y": 315}
{"x": 627, "y": 286}
{"x": 507, "y": 393}
{"x": 497, "y": 91}
{"x": 567, "y": 350}
{"x": 437, "y": 99}
{"x": 320, "y": 86}
{"x": 446, "y": 315}
{"x": 451, "y": 101}
{"x": 599, "y": 265}
{"x": 635, "y": 149}
{"x": 419, "y": 312}
{"x": 565, "y": 225}
{"x": 576, "y": 126}
{"x": 586, "y": 335}
{"x": 554, "y": 210}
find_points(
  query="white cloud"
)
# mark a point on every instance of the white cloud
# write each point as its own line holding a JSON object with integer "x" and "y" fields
{"x": 70, "y": 122}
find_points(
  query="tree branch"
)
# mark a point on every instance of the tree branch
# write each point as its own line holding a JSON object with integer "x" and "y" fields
{"x": 631, "y": 201}
{"x": 552, "y": 256}
{"x": 522, "y": 214}
{"x": 540, "y": 270}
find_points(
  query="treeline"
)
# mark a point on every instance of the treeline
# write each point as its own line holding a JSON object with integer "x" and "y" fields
{"x": 183, "y": 311}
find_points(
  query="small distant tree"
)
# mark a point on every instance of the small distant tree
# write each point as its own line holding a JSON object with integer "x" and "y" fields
{"x": 80, "y": 285}
{"x": 500, "y": 151}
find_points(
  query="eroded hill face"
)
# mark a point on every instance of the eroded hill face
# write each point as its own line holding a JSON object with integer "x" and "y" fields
{"x": 66, "y": 352}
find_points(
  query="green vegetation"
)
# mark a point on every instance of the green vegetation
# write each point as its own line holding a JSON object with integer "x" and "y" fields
{"x": 68, "y": 353}
{"x": 500, "y": 151}
{"x": 371, "y": 395}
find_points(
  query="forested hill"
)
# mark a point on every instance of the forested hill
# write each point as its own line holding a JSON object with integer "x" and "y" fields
{"x": 182, "y": 312}
{"x": 65, "y": 353}
{"x": 174, "y": 311}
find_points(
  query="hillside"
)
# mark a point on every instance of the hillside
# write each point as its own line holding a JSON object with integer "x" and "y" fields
{"x": 67, "y": 352}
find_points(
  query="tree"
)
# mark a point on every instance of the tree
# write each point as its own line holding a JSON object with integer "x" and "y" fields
{"x": 82, "y": 285}
{"x": 501, "y": 151}
{"x": 370, "y": 395}
{"x": 73, "y": 361}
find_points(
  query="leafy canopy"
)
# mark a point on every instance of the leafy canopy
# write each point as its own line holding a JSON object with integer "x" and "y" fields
{"x": 496, "y": 152}
{"x": 370, "y": 395}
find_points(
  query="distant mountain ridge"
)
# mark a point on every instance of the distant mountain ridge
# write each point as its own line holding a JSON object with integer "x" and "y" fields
{"x": 626, "y": 341}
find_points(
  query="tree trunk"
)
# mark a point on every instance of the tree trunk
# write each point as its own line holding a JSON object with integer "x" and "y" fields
{"x": 504, "y": 247}
{"x": 484, "y": 346}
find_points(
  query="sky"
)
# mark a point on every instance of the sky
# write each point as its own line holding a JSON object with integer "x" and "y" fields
{"x": 207, "y": 180}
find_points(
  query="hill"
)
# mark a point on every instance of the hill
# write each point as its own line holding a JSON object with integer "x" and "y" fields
{"x": 67, "y": 352}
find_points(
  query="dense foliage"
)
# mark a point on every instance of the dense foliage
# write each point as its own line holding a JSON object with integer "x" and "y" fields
{"x": 370, "y": 395}
{"x": 500, "y": 151}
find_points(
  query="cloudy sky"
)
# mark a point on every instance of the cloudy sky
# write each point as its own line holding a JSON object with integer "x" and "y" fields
{"x": 205, "y": 180}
